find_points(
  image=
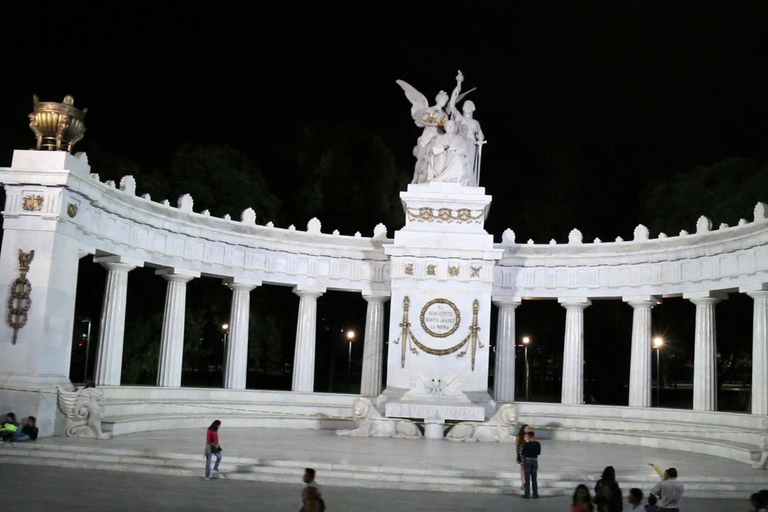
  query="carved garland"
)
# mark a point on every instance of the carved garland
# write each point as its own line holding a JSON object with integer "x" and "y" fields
{"x": 427, "y": 214}
{"x": 407, "y": 338}
{"x": 19, "y": 301}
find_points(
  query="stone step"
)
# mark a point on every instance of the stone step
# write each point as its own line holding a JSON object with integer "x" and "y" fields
{"x": 149, "y": 422}
{"x": 448, "y": 480}
{"x": 158, "y": 407}
{"x": 545, "y": 423}
{"x": 741, "y": 452}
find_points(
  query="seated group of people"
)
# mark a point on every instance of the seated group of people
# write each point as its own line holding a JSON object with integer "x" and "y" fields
{"x": 12, "y": 431}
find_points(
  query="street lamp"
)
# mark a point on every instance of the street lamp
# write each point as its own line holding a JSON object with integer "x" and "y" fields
{"x": 351, "y": 338}
{"x": 526, "y": 342}
{"x": 87, "y": 347}
{"x": 225, "y": 328}
{"x": 658, "y": 341}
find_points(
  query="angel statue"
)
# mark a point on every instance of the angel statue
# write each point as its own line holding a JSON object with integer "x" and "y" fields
{"x": 82, "y": 409}
{"x": 445, "y": 153}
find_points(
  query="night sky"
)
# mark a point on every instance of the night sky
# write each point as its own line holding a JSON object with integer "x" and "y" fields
{"x": 586, "y": 108}
{"x": 584, "y": 102}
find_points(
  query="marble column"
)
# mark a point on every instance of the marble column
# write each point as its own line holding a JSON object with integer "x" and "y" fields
{"x": 373, "y": 345}
{"x": 641, "y": 351}
{"x": 306, "y": 327}
{"x": 759, "y": 351}
{"x": 573, "y": 352}
{"x": 109, "y": 360}
{"x": 172, "y": 338}
{"x": 504, "y": 372}
{"x": 236, "y": 359}
{"x": 705, "y": 353}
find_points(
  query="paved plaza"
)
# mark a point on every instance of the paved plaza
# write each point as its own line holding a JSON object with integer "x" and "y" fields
{"x": 40, "y": 487}
{"x": 32, "y": 488}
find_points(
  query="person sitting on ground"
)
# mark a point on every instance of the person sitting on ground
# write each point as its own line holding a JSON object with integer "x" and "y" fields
{"x": 8, "y": 427}
{"x": 651, "y": 506}
{"x": 582, "y": 501}
{"x": 26, "y": 433}
{"x": 669, "y": 491}
{"x": 635, "y": 498}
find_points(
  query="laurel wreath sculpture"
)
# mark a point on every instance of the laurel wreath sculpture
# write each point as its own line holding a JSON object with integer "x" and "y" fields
{"x": 19, "y": 301}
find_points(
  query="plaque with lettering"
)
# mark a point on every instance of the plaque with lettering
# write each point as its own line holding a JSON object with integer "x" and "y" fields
{"x": 440, "y": 318}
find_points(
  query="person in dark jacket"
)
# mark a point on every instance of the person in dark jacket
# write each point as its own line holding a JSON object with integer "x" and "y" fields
{"x": 531, "y": 452}
{"x": 26, "y": 433}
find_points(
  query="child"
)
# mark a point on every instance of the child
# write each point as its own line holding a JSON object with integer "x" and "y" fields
{"x": 635, "y": 498}
{"x": 651, "y": 506}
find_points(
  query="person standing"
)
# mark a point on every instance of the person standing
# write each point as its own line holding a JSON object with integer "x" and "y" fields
{"x": 212, "y": 448}
{"x": 608, "y": 493}
{"x": 519, "y": 443}
{"x": 669, "y": 491}
{"x": 531, "y": 452}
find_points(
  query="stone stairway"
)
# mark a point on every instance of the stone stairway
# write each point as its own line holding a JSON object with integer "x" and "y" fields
{"x": 354, "y": 475}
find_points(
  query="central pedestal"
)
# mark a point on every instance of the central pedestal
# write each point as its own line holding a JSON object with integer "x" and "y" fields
{"x": 442, "y": 278}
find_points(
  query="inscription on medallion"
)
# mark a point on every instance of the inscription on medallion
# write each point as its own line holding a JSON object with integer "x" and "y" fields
{"x": 440, "y": 318}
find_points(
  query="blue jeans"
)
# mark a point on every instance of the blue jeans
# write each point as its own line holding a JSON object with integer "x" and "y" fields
{"x": 19, "y": 437}
{"x": 208, "y": 453}
{"x": 531, "y": 473}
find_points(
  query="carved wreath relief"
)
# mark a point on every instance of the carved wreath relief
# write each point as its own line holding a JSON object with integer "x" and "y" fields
{"x": 19, "y": 300}
{"x": 439, "y": 319}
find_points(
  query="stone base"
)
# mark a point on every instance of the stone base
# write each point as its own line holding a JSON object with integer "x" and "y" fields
{"x": 34, "y": 395}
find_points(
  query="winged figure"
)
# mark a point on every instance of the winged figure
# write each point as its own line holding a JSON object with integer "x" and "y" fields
{"x": 435, "y": 121}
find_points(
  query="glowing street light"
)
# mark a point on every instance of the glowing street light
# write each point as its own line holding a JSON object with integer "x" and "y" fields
{"x": 351, "y": 337}
{"x": 526, "y": 342}
{"x": 658, "y": 342}
{"x": 225, "y": 328}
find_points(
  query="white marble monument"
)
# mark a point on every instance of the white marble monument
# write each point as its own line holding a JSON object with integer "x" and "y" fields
{"x": 442, "y": 275}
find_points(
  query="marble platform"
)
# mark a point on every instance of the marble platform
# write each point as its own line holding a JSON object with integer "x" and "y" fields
{"x": 277, "y": 455}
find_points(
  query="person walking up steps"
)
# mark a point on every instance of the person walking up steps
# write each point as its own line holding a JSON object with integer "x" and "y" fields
{"x": 531, "y": 452}
{"x": 212, "y": 448}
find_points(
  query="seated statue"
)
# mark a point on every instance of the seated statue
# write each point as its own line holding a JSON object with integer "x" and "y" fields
{"x": 369, "y": 423}
{"x": 499, "y": 429}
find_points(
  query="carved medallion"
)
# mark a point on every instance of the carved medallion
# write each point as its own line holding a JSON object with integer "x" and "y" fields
{"x": 440, "y": 318}
{"x": 453, "y": 271}
{"x": 409, "y": 269}
{"x": 32, "y": 203}
{"x": 431, "y": 269}
{"x": 72, "y": 209}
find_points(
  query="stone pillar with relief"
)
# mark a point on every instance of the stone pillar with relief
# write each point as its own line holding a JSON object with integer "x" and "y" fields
{"x": 442, "y": 271}
{"x": 573, "y": 352}
{"x": 504, "y": 372}
{"x": 236, "y": 362}
{"x": 641, "y": 351}
{"x": 109, "y": 357}
{"x": 172, "y": 337}
{"x": 373, "y": 344}
{"x": 759, "y": 387}
{"x": 705, "y": 351}
{"x": 306, "y": 329}
{"x": 39, "y": 259}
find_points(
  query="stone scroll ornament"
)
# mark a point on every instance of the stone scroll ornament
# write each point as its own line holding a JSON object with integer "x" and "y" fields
{"x": 84, "y": 412}
{"x": 407, "y": 340}
{"x": 19, "y": 301}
